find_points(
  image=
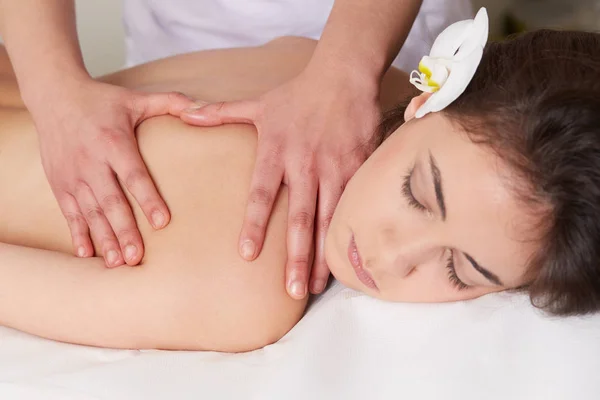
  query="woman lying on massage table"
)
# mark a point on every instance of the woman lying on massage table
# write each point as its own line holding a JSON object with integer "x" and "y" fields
{"x": 500, "y": 190}
{"x": 192, "y": 290}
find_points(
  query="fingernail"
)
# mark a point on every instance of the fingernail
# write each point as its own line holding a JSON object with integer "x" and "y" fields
{"x": 248, "y": 249}
{"x": 81, "y": 251}
{"x": 130, "y": 252}
{"x": 198, "y": 106}
{"x": 318, "y": 286}
{"x": 112, "y": 257}
{"x": 158, "y": 219}
{"x": 298, "y": 289}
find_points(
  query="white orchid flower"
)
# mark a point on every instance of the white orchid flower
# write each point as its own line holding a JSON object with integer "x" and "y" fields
{"x": 452, "y": 62}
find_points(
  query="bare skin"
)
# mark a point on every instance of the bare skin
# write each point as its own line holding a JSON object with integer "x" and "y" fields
{"x": 192, "y": 290}
{"x": 299, "y": 144}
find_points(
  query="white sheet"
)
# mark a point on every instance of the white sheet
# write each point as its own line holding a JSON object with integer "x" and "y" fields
{"x": 348, "y": 346}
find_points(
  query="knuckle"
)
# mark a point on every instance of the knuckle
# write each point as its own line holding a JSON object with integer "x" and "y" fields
{"x": 269, "y": 165}
{"x": 108, "y": 241}
{"x": 135, "y": 178}
{"x": 94, "y": 214}
{"x": 261, "y": 196}
{"x": 112, "y": 201}
{"x": 174, "y": 96}
{"x": 109, "y": 136}
{"x": 80, "y": 186}
{"x": 135, "y": 103}
{"x": 74, "y": 220}
{"x": 81, "y": 158}
{"x": 273, "y": 153}
{"x": 308, "y": 166}
{"x": 303, "y": 221}
{"x": 256, "y": 225}
{"x": 299, "y": 262}
{"x": 324, "y": 224}
{"x": 126, "y": 233}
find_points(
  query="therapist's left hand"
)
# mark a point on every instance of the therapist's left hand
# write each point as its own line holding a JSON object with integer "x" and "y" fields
{"x": 314, "y": 132}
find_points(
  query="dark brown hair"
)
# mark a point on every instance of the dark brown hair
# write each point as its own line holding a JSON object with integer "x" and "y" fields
{"x": 535, "y": 101}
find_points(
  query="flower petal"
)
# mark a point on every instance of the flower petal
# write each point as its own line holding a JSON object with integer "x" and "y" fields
{"x": 460, "y": 76}
{"x": 448, "y": 42}
{"x": 478, "y": 35}
{"x": 439, "y": 75}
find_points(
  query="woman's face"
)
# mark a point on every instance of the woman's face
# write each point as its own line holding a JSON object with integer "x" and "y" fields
{"x": 429, "y": 218}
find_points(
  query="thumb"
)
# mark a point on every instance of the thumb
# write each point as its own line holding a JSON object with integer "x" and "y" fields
{"x": 228, "y": 112}
{"x": 155, "y": 104}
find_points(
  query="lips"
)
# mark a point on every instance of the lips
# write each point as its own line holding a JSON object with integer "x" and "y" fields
{"x": 356, "y": 262}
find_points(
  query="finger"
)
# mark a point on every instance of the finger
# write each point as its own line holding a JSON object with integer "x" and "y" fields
{"x": 80, "y": 233}
{"x": 329, "y": 196}
{"x": 264, "y": 186}
{"x": 148, "y": 105}
{"x": 117, "y": 210}
{"x": 302, "y": 197}
{"x": 101, "y": 231}
{"x": 229, "y": 112}
{"x": 131, "y": 170}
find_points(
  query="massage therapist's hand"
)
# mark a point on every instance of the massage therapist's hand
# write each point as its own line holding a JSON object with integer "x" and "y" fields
{"x": 313, "y": 134}
{"x": 87, "y": 141}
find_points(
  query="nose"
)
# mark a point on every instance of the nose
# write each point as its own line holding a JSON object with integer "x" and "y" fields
{"x": 401, "y": 254}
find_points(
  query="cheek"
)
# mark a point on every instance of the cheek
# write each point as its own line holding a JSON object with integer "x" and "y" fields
{"x": 377, "y": 179}
{"x": 355, "y": 196}
{"x": 355, "y": 212}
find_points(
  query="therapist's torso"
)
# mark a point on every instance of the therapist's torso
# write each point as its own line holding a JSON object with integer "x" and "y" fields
{"x": 157, "y": 28}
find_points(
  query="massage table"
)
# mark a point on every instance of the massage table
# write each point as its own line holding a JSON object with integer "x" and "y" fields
{"x": 348, "y": 346}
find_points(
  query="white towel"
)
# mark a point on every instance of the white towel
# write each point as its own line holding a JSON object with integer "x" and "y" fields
{"x": 348, "y": 346}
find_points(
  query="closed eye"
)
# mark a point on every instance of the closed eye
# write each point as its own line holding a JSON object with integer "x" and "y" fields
{"x": 408, "y": 194}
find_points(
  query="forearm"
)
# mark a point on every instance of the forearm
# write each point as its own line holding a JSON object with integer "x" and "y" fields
{"x": 41, "y": 39}
{"x": 363, "y": 37}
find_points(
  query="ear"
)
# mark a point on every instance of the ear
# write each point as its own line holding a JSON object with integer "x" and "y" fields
{"x": 414, "y": 105}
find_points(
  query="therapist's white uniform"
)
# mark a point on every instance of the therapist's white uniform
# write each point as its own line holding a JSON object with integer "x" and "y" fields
{"x": 160, "y": 28}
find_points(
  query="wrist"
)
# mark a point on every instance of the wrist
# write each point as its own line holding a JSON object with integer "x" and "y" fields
{"x": 52, "y": 87}
{"x": 344, "y": 77}
{"x": 367, "y": 62}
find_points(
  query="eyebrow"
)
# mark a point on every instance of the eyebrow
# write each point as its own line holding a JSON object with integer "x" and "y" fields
{"x": 439, "y": 195}
{"x": 490, "y": 276}
{"x": 437, "y": 185}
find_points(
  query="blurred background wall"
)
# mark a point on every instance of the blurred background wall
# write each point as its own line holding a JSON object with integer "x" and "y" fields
{"x": 101, "y": 34}
{"x": 101, "y": 31}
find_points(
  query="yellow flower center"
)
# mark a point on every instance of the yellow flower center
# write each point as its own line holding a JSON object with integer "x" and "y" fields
{"x": 426, "y": 76}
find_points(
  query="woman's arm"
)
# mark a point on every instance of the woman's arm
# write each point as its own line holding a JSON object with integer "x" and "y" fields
{"x": 57, "y": 296}
{"x": 64, "y": 298}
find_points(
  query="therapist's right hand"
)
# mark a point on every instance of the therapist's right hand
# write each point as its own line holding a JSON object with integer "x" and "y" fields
{"x": 87, "y": 140}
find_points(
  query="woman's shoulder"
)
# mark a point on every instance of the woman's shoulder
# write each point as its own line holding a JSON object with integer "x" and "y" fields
{"x": 204, "y": 176}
